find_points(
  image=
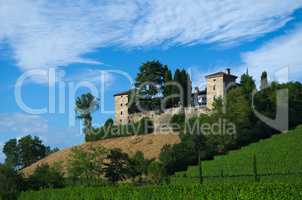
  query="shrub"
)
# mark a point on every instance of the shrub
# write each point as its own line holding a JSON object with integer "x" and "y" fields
{"x": 178, "y": 121}
{"x": 10, "y": 183}
{"x": 46, "y": 177}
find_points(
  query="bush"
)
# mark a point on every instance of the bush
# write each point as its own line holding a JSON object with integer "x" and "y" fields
{"x": 46, "y": 177}
{"x": 10, "y": 183}
{"x": 86, "y": 164}
{"x": 178, "y": 121}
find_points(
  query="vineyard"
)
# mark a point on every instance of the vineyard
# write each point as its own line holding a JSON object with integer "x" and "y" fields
{"x": 203, "y": 192}
{"x": 277, "y": 158}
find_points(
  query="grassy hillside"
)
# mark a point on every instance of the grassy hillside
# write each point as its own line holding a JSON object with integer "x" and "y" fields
{"x": 279, "y": 154}
{"x": 150, "y": 145}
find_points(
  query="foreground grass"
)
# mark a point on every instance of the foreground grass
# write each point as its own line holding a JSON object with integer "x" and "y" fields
{"x": 237, "y": 191}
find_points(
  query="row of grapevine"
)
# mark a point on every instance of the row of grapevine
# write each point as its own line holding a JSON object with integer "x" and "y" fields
{"x": 280, "y": 154}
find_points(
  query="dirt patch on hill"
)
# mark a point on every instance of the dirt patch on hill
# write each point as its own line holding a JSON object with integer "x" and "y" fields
{"x": 150, "y": 145}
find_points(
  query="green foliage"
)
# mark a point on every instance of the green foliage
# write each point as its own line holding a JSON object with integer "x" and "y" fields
{"x": 138, "y": 166}
{"x": 86, "y": 164}
{"x": 117, "y": 168}
{"x": 84, "y": 106}
{"x": 25, "y": 151}
{"x": 10, "y": 183}
{"x": 11, "y": 152}
{"x": 45, "y": 176}
{"x": 178, "y": 121}
{"x": 243, "y": 191}
{"x": 182, "y": 78}
{"x": 149, "y": 78}
{"x": 156, "y": 172}
{"x": 248, "y": 85}
{"x": 279, "y": 154}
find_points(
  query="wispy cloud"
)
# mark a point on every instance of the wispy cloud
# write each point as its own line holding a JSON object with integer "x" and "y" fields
{"x": 47, "y": 34}
{"x": 19, "y": 123}
{"x": 279, "y": 57}
{"x": 94, "y": 76}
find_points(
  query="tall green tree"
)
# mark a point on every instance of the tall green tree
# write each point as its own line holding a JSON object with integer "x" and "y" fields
{"x": 86, "y": 164}
{"x": 11, "y": 151}
{"x": 117, "y": 168}
{"x": 248, "y": 85}
{"x": 25, "y": 151}
{"x": 182, "y": 78}
{"x": 84, "y": 106}
{"x": 168, "y": 87}
{"x": 11, "y": 183}
{"x": 264, "y": 81}
{"x": 31, "y": 150}
{"x": 150, "y": 78}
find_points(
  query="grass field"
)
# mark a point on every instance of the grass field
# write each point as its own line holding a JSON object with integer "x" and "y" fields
{"x": 279, "y": 154}
{"x": 261, "y": 191}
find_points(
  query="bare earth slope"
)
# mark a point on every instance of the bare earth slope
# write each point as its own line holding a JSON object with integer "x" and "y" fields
{"x": 150, "y": 145}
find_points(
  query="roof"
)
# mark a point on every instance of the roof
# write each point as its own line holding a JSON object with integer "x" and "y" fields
{"x": 121, "y": 93}
{"x": 220, "y": 74}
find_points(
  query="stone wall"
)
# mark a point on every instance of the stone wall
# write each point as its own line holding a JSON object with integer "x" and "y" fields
{"x": 162, "y": 120}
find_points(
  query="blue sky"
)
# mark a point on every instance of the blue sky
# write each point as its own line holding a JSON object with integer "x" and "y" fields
{"x": 80, "y": 39}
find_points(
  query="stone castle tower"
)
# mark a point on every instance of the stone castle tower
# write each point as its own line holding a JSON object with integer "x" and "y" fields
{"x": 121, "y": 108}
{"x": 217, "y": 85}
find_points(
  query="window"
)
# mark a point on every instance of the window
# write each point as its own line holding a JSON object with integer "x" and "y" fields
{"x": 214, "y": 87}
{"x": 121, "y": 112}
{"x": 121, "y": 104}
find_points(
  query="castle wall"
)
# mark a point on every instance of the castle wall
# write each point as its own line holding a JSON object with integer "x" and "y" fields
{"x": 162, "y": 120}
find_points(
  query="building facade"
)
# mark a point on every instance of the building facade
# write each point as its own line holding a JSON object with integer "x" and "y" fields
{"x": 202, "y": 101}
{"x": 121, "y": 108}
{"x": 218, "y": 84}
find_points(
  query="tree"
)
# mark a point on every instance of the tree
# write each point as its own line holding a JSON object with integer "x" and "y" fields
{"x": 84, "y": 106}
{"x": 138, "y": 165}
{"x": 168, "y": 87}
{"x": 30, "y": 150}
{"x": 248, "y": 85}
{"x": 150, "y": 78}
{"x": 86, "y": 164}
{"x": 11, "y": 183}
{"x": 117, "y": 168}
{"x": 10, "y": 149}
{"x": 182, "y": 78}
{"x": 156, "y": 172}
{"x": 264, "y": 81}
{"x": 25, "y": 151}
{"x": 45, "y": 176}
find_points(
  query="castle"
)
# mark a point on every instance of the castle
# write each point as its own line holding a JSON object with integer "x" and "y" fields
{"x": 201, "y": 101}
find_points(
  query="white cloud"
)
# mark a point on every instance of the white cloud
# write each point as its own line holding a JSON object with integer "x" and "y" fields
{"x": 47, "y": 34}
{"x": 221, "y": 21}
{"x": 56, "y": 33}
{"x": 281, "y": 57}
{"x": 22, "y": 124}
{"x": 94, "y": 76}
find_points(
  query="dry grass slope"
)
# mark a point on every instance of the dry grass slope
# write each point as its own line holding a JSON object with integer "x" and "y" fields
{"x": 150, "y": 145}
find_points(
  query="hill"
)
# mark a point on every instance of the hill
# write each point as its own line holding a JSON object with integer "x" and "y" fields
{"x": 280, "y": 154}
{"x": 150, "y": 145}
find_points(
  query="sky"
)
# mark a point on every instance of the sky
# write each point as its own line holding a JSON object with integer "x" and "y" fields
{"x": 54, "y": 50}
